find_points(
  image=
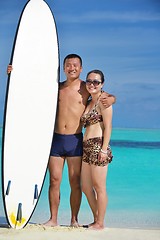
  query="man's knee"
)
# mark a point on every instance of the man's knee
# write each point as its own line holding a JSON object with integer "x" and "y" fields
{"x": 75, "y": 181}
{"x": 55, "y": 181}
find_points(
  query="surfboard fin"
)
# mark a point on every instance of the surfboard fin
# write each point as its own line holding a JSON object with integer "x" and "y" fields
{"x": 35, "y": 193}
{"x": 19, "y": 213}
{"x": 8, "y": 187}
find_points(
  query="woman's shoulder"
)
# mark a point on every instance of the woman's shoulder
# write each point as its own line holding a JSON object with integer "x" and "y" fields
{"x": 102, "y": 107}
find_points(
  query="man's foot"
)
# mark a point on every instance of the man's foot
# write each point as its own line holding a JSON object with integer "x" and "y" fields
{"x": 50, "y": 223}
{"x": 95, "y": 226}
{"x": 75, "y": 224}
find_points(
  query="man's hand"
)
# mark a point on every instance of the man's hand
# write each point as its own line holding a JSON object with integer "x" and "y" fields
{"x": 9, "y": 69}
{"x": 107, "y": 99}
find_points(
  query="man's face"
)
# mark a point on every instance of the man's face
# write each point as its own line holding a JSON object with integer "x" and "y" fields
{"x": 72, "y": 68}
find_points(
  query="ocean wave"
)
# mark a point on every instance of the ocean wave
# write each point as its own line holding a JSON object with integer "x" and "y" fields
{"x": 135, "y": 144}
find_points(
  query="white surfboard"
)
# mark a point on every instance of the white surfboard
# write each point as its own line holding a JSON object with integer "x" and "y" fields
{"x": 30, "y": 111}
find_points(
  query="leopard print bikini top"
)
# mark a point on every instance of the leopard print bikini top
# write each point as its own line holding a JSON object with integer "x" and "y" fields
{"x": 91, "y": 117}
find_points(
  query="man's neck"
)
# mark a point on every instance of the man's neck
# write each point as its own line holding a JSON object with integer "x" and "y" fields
{"x": 71, "y": 82}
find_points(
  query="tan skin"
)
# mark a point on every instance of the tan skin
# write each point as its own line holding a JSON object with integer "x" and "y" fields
{"x": 95, "y": 186}
{"x": 72, "y": 101}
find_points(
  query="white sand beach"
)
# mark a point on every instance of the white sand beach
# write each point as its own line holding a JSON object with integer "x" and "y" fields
{"x": 40, "y": 232}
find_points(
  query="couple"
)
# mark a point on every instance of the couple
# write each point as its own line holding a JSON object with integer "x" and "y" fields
{"x": 73, "y": 113}
{"x": 86, "y": 156}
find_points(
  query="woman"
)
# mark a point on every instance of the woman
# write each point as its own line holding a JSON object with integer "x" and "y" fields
{"x": 96, "y": 151}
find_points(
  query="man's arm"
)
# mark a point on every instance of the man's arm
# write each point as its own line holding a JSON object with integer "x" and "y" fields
{"x": 107, "y": 99}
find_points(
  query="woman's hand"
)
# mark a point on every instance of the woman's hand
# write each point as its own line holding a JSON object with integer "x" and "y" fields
{"x": 102, "y": 156}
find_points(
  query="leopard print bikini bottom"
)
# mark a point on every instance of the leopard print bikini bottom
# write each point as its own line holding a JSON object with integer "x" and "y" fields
{"x": 91, "y": 149}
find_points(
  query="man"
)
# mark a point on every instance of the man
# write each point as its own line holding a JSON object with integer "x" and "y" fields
{"x": 67, "y": 138}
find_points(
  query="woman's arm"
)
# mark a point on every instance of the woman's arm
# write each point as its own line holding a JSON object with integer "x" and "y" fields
{"x": 107, "y": 123}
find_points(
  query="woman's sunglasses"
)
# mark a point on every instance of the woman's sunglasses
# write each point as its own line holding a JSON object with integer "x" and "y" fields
{"x": 94, "y": 82}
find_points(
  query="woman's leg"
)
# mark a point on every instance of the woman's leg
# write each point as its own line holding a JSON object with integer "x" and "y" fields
{"x": 87, "y": 188}
{"x": 99, "y": 175}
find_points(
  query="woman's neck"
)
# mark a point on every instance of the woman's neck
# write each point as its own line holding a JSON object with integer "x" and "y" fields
{"x": 95, "y": 97}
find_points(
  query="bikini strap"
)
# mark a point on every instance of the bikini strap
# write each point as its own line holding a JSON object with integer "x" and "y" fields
{"x": 98, "y": 99}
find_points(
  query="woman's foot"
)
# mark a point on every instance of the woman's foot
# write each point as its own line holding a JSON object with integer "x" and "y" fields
{"x": 91, "y": 224}
{"x": 96, "y": 226}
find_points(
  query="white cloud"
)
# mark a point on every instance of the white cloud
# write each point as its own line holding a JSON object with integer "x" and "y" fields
{"x": 101, "y": 16}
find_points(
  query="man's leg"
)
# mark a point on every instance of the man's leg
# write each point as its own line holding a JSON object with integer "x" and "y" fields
{"x": 55, "y": 169}
{"x": 74, "y": 169}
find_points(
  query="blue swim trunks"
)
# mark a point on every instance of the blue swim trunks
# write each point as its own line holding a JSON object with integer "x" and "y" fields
{"x": 67, "y": 145}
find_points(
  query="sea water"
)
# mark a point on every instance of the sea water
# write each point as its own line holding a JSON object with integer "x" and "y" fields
{"x": 133, "y": 184}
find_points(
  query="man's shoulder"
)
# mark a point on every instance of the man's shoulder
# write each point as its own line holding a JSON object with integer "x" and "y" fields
{"x": 83, "y": 83}
{"x": 62, "y": 84}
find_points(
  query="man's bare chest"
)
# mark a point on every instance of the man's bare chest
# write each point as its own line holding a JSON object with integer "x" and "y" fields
{"x": 70, "y": 97}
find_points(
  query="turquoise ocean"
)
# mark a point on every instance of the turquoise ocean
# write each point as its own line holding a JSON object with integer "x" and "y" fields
{"x": 133, "y": 184}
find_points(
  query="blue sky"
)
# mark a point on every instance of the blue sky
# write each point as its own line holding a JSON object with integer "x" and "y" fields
{"x": 120, "y": 37}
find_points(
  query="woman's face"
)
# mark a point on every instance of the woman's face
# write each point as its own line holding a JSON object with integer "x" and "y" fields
{"x": 94, "y": 83}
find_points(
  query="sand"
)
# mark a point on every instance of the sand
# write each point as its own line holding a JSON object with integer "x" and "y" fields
{"x": 39, "y": 232}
